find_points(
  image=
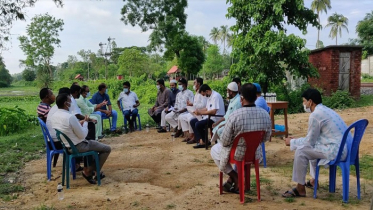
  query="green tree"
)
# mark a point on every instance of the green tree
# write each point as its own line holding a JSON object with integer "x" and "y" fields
{"x": 132, "y": 62}
{"x": 320, "y": 6}
{"x": 364, "y": 31}
{"x": 40, "y": 42}
{"x": 214, "y": 61}
{"x": 28, "y": 75}
{"x": 166, "y": 19}
{"x": 264, "y": 49}
{"x": 337, "y": 22}
{"x": 84, "y": 54}
{"x": 191, "y": 56}
{"x": 11, "y": 10}
{"x": 215, "y": 35}
{"x": 224, "y": 34}
{"x": 5, "y": 77}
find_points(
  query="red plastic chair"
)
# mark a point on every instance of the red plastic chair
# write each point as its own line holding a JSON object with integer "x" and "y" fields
{"x": 252, "y": 139}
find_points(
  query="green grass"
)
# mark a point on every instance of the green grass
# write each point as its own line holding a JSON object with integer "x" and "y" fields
{"x": 15, "y": 150}
{"x": 366, "y": 163}
{"x": 365, "y": 100}
{"x": 367, "y": 80}
{"x": 21, "y": 91}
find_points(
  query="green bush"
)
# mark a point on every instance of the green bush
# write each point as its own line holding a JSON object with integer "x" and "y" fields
{"x": 292, "y": 96}
{"x": 14, "y": 120}
{"x": 339, "y": 100}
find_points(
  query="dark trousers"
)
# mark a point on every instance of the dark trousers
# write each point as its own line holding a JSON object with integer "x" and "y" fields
{"x": 58, "y": 146}
{"x": 157, "y": 118}
{"x": 128, "y": 114}
{"x": 199, "y": 128}
{"x": 91, "y": 131}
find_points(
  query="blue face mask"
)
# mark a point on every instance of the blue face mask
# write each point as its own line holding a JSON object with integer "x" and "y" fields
{"x": 88, "y": 94}
{"x": 106, "y": 91}
{"x": 172, "y": 89}
{"x": 181, "y": 88}
{"x": 125, "y": 90}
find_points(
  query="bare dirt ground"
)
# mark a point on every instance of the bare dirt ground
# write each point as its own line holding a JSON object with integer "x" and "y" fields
{"x": 148, "y": 171}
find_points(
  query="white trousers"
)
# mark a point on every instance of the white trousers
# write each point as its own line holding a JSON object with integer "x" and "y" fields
{"x": 303, "y": 156}
{"x": 163, "y": 118}
{"x": 215, "y": 154}
{"x": 171, "y": 118}
{"x": 184, "y": 121}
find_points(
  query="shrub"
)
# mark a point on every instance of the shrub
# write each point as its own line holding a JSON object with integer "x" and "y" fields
{"x": 292, "y": 96}
{"x": 339, "y": 100}
{"x": 14, "y": 120}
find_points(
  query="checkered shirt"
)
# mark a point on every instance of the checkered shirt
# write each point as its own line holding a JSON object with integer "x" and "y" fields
{"x": 242, "y": 120}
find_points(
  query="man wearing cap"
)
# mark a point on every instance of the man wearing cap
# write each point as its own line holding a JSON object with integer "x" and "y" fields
{"x": 162, "y": 102}
{"x": 234, "y": 104}
{"x": 171, "y": 103}
{"x": 182, "y": 98}
{"x": 260, "y": 101}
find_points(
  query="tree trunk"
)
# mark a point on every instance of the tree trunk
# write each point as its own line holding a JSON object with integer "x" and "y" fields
{"x": 318, "y": 31}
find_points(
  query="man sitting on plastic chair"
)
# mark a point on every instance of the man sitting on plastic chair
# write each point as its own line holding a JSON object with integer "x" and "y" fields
{"x": 324, "y": 135}
{"x": 105, "y": 111}
{"x": 246, "y": 119}
{"x": 234, "y": 104}
{"x": 130, "y": 102}
{"x": 76, "y": 130}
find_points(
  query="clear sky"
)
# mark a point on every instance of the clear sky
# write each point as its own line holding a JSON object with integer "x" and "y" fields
{"x": 89, "y": 22}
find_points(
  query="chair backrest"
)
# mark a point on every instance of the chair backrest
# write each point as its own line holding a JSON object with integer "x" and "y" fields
{"x": 72, "y": 146}
{"x": 47, "y": 136}
{"x": 252, "y": 140}
{"x": 354, "y": 142}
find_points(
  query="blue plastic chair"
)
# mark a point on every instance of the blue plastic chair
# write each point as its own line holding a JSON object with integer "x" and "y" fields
{"x": 103, "y": 117}
{"x": 125, "y": 120}
{"x": 351, "y": 159}
{"x": 50, "y": 152}
{"x": 68, "y": 157}
{"x": 264, "y": 155}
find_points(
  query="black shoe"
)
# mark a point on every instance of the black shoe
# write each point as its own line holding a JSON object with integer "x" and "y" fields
{"x": 179, "y": 133}
{"x": 199, "y": 146}
{"x": 101, "y": 137}
{"x": 162, "y": 131}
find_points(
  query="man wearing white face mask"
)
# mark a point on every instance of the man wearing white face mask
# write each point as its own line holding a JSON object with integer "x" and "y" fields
{"x": 182, "y": 98}
{"x": 324, "y": 135}
{"x": 130, "y": 102}
{"x": 87, "y": 108}
{"x": 163, "y": 97}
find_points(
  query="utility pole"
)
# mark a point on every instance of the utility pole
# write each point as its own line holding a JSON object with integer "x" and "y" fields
{"x": 106, "y": 53}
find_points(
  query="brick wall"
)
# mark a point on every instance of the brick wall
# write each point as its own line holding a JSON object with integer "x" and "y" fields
{"x": 326, "y": 61}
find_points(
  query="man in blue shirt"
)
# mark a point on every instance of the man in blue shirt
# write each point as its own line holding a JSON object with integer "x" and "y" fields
{"x": 260, "y": 101}
{"x": 105, "y": 111}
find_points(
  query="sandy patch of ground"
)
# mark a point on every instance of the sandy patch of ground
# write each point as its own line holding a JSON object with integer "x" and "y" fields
{"x": 148, "y": 171}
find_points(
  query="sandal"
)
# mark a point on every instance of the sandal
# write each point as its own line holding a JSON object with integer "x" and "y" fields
{"x": 102, "y": 175}
{"x": 89, "y": 178}
{"x": 232, "y": 190}
{"x": 185, "y": 140}
{"x": 292, "y": 194}
{"x": 227, "y": 187}
{"x": 309, "y": 185}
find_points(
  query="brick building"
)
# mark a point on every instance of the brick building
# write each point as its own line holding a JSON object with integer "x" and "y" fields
{"x": 339, "y": 68}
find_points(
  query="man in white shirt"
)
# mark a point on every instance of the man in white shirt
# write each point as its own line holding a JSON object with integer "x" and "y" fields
{"x": 324, "y": 136}
{"x": 199, "y": 102}
{"x": 76, "y": 131}
{"x": 75, "y": 110}
{"x": 180, "y": 106}
{"x": 130, "y": 102}
{"x": 214, "y": 106}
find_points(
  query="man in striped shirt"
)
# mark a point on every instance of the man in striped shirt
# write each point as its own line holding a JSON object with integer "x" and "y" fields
{"x": 47, "y": 98}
